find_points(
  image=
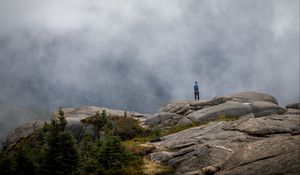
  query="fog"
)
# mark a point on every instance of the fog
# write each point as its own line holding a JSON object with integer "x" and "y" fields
{"x": 137, "y": 55}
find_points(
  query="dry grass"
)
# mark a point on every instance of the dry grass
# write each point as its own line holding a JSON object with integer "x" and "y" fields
{"x": 138, "y": 147}
{"x": 127, "y": 127}
{"x": 153, "y": 168}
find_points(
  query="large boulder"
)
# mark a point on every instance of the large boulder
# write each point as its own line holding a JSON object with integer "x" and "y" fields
{"x": 86, "y": 111}
{"x": 212, "y": 102}
{"x": 23, "y": 131}
{"x": 293, "y": 106}
{"x": 274, "y": 124}
{"x": 264, "y": 108}
{"x": 253, "y": 96}
{"x": 292, "y": 111}
{"x": 229, "y": 108}
{"x": 178, "y": 107}
{"x": 215, "y": 144}
{"x": 184, "y": 122}
{"x": 275, "y": 155}
{"x": 201, "y": 146}
{"x": 236, "y": 109}
{"x": 163, "y": 119}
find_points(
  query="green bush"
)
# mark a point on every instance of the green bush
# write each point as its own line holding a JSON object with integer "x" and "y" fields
{"x": 127, "y": 127}
{"x": 112, "y": 153}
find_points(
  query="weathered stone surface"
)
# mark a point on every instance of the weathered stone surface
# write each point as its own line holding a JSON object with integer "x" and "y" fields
{"x": 292, "y": 111}
{"x": 264, "y": 108}
{"x": 214, "y": 144}
{"x": 210, "y": 170}
{"x": 23, "y": 131}
{"x": 163, "y": 118}
{"x": 201, "y": 157}
{"x": 293, "y": 106}
{"x": 86, "y": 111}
{"x": 198, "y": 135}
{"x": 184, "y": 109}
{"x": 253, "y": 96}
{"x": 184, "y": 122}
{"x": 214, "y": 101}
{"x": 275, "y": 155}
{"x": 236, "y": 109}
{"x": 175, "y": 106}
{"x": 162, "y": 156}
{"x": 195, "y": 172}
{"x": 281, "y": 164}
{"x": 273, "y": 124}
{"x": 229, "y": 108}
{"x": 201, "y": 146}
{"x": 194, "y": 108}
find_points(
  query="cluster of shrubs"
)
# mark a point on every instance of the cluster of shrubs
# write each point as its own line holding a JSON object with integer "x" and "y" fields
{"x": 124, "y": 127}
{"x": 53, "y": 150}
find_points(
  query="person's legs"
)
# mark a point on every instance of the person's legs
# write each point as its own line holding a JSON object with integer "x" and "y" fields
{"x": 196, "y": 95}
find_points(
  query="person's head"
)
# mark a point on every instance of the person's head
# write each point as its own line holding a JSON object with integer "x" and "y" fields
{"x": 195, "y": 82}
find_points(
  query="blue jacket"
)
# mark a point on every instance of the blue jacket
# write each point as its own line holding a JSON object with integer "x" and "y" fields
{"x": 196, "y": 88}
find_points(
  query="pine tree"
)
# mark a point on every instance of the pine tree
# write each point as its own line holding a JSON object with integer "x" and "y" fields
{"x": 23, "y": 163}
{"x": 59, "y": 154}
{"x": 112, "y": 154}
{"x": 7, "y": 166}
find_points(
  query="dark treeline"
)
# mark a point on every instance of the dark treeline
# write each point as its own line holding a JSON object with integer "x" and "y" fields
{"x": 53, "y": 150}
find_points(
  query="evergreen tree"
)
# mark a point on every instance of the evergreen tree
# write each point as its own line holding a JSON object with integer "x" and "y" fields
{"x": 23, "y": 163}
{"x": 59, "y": 154}
{"x": 100, "y": 120}
{"x": 112, "y": 155}
{"x": 88, "y": 147}
{"x": 7, "y": 166}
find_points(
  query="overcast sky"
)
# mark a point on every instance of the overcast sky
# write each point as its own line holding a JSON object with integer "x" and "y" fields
{"x": 137, "y": 55}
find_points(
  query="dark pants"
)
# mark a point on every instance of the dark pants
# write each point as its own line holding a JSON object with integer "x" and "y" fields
{"x": 196, "y": 95}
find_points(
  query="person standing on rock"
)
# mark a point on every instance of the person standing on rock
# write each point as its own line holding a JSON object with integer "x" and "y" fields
{"x": 196, "y": 91}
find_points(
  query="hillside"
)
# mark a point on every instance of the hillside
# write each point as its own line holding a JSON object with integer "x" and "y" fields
{"x": 242, "y": 133}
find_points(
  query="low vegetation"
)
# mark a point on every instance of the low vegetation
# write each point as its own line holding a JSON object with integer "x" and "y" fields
{"x": 151, "y": 167}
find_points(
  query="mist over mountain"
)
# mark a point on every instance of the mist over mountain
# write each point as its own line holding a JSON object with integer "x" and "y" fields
{"x": 135, "y": 55}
